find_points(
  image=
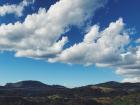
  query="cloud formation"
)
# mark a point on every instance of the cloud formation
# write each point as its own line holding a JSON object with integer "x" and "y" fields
{"x": 16, "y": 9}
{"x": 103, "y": 47}
{"x": 39, "y": 35}
{"x": 130, "y": 68}
{"x": 106, "y": 48}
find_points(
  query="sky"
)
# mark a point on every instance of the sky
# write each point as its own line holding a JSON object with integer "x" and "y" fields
{"x": 70, "y": 42}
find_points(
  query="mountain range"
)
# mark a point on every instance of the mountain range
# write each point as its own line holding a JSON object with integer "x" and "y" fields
{"x": 38, "y": 93}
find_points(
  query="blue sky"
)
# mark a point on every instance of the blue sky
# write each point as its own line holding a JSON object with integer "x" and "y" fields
{"x": 17, "y": 65}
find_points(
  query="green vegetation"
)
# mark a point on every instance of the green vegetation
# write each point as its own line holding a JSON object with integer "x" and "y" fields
{"x": 132, "y": 99}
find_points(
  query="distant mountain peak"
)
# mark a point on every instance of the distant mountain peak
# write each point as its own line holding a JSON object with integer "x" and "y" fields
{"x": 33, "y": 84}
{"x": 24, "y": 84}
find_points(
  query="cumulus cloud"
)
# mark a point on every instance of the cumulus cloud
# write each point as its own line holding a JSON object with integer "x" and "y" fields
{"x": 131, "y": 69}
{"x": 39, "y": 35}
{"x": 102, "y": 47}
{"x": 106, "y": 48}
{"x": 16, "y": 9}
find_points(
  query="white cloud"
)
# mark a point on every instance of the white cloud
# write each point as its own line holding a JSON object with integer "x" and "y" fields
{"x": 138, "y": 40}
{"x": 16, "y": 9}
{"x": 105, "y": 48}
{"x": 97, "y": 47}
{"x": 131, "y": 69}
{"x": 39, "y": 35}
{"x": 133, "y": 80}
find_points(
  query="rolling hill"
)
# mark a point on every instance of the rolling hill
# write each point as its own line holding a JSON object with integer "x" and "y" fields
{"x": 37, "y": 93}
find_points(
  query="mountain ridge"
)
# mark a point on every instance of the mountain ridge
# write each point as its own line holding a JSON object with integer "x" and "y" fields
{"x": 37, "y": 93}
{"x": 34, "y": 83}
